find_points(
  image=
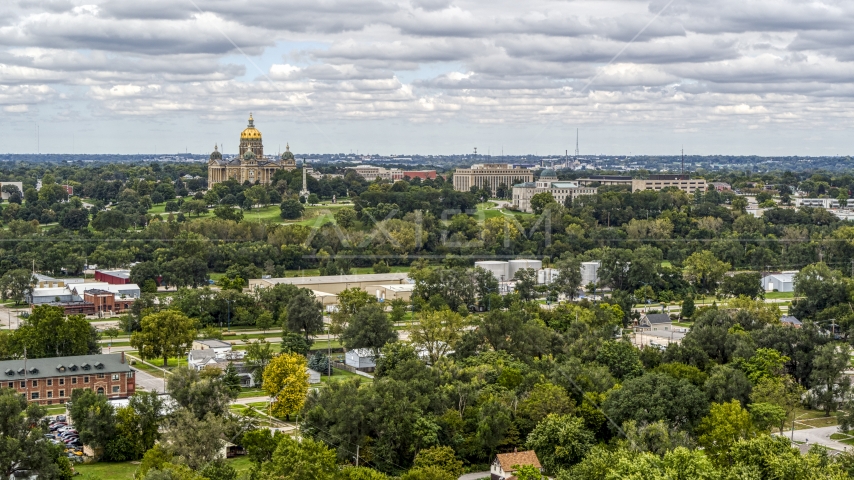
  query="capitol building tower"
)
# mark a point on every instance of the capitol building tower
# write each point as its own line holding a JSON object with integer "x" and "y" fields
{"x": 250, "y": 165}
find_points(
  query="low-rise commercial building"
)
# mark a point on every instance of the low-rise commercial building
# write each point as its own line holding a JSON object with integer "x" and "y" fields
{"x": 113, "y": 277}
{"x": 779, "y": 282}
{"x": 490, "y": 176}
{"x": 658, "y": 182}
{"x": 335, "y": 284}
{"x": 50, "y": 381}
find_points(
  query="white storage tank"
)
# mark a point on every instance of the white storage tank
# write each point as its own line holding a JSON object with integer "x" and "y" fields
{"x": 590, "y": 272}
{"x": 516, "y": 265}
{"x": 498, "y": 269}
{"x": 547, "y": 276}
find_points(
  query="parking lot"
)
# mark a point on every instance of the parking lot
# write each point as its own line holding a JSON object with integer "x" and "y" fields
{"x": 60, "y": 433}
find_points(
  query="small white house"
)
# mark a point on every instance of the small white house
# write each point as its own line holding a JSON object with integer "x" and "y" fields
{"x": 313, "y": 376}
{"x": 502, "y": 467}
{"x": 781, "y": 282}
{"x": 360, "y": 359}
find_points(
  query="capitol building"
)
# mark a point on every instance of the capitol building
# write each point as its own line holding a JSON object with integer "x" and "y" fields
{"x": 250, "y": 165}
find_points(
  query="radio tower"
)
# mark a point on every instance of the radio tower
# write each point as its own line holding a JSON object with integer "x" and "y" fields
{"x": 683, "y": 161}
{"x": 576, "y": 144}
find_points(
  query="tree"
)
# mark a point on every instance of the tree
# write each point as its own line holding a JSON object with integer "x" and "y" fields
{"x": 110, "y": 219}
{"x": 164, "y": 334}
{"x": 369, "y": 328}
{"x": 726, "y": 383}
{"x": 527, "y": 472}
{"x": 264, "y": 320}
{"x": 231, "y": 379}
{"x": 437, "y": 333}
{"x": 196, "y": 442}
{"x": 817, "y": 288}
{"x": 304, "y": 314}
{"x": 197, "y": 207}
{"x": 148, "y": 407}
{"x": 345, "y": 217}
{"x": 829, "y": 382}
{"x": 704, "y": 270}
{"x": 75, "y": 219}
{"x": 621, "y": 358}
{"x": 688, "y": 308}
{"x": 47, "y": 332}
{"x": 746, "y": 284}
{"x": 305, "y": 459}
{"x": 286, "y": 381}
{"x": 258, "y": 356}
{"x": 542, "y": 400}
{"x": 16, "y": 284}
{"x": 441, "y": 457}
{"x": 560, "y": 442}
{"x": 313, "y": 199}
{"x": 568, "y": 278}
{"x": 227, "y": 212}
{"x": 350, "y": 301}
{"x": 427, "y": 473}
{"x": 24, "y": 447}
{"x": 739, "y": 204}
{"x": 766, "y": 363}
{"x": 783, "y": 392}
{"x": 200, "y": 393}
{"x": 766, "y": 415}
{"x": 657, "y": 396}
{"x": 291, "y": 209}
{"x": 526, "y": 283}
{"x": 319, "y": 363}
{"x": 93, "y": 416}
{"x": 540, "y": 201}
{"x": 725, "y": 424}
{"x": 296, "y": 343}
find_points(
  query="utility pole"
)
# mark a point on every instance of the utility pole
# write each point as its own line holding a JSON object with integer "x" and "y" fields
{"x": 683, "y": 161}
{"x": 357, "y": 456}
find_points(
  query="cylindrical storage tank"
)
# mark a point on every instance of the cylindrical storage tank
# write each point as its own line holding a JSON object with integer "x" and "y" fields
{"x": 498, "y": 269}
{"x": 516, "y": 265}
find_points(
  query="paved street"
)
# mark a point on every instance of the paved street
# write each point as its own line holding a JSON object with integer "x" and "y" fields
{"x": 820, "y": 436}
{"x": 149, "y": 382}
{"x": 475, "y": 476}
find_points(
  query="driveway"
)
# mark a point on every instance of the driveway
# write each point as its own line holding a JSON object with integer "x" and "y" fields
{"x": 475, "y": 476}
{"x": 820, "y": 436}
{"x": 149, "y": 382}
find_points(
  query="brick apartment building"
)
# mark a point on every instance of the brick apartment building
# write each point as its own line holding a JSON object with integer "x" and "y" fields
{"x": 50, "y": 381}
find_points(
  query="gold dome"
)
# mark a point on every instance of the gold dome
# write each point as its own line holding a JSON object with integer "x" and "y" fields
{"x": 250, "y": 133}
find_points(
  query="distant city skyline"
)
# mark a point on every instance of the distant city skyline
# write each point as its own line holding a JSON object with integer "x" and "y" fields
{"x": 428, "y": 76}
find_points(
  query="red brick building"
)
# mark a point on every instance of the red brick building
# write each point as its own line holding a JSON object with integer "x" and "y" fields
{"x": 422, "y": 174}
{"x": 50, "y": 381}
{"x": 104, "y": 301}
{"x": 113, "y": 277}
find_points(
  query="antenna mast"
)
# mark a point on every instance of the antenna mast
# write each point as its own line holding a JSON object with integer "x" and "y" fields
{"x": 576, "y": 144}
{"x": 683, "y": 160}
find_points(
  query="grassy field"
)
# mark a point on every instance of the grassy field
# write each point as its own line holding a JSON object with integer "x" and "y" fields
{"x": 125, "y": 470}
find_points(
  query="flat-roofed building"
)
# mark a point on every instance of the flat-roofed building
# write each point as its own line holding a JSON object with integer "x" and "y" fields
{"x": 603, "y": 180}
{"x": 335, "y": 284}
{"x": 548, "y": 182}
{"x": 490, "y": 176}
{"x": 682, "y": 182}
{"x": 371, "y": 173}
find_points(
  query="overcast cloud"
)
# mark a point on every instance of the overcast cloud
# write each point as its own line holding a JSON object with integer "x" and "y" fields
{"x": 428, "y": 76}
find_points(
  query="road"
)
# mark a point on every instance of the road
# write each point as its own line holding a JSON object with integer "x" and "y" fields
{"x": 149, "y": 382}
{"x": 820, "y": 436}
{"x": 475, "y": 476}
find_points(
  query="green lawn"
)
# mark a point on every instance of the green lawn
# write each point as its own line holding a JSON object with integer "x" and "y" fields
{"x": 125, "y": 470}
{"x": 778, "y": 295}
{"x": 251, "y": 392}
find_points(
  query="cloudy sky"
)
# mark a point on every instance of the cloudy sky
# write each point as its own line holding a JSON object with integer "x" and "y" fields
{"x": 766, "y": 77}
